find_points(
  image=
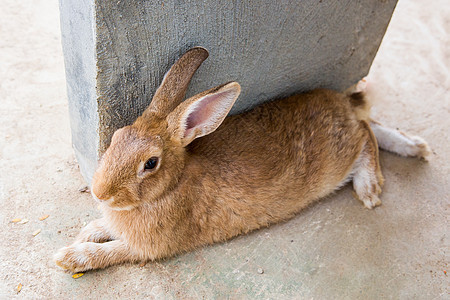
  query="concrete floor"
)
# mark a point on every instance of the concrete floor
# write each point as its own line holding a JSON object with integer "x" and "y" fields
{"x": 337, "y": 249}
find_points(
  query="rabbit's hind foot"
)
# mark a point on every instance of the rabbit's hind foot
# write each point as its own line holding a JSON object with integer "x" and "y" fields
{"x": 399, "y": 142}
{"x": 367, "y": 178}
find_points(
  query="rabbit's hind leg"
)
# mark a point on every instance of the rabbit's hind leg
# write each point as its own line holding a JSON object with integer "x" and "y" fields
{"x": 399, "y": 142}
{"x": 367, "y": 177}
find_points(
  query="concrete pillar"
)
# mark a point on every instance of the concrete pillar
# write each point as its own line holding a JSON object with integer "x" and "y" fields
{"x": 117, "y": 52}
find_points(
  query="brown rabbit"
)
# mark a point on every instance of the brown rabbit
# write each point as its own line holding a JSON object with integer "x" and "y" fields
{"x": 171, "y": 182}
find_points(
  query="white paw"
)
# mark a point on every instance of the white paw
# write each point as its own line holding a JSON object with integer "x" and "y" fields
{"x": 371, "y": 201}
{"x": 73, "y": 258}
{"x": 420, "y": 148}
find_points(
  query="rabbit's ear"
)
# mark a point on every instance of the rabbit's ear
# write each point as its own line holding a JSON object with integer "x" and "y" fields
{"x": 174, "y": 85}
{"x": 203, "y": 113}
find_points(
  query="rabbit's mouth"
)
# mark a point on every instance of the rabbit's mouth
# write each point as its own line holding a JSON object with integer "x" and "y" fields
{"x": 103, "y": 201}
{"x": 110, "y": 203}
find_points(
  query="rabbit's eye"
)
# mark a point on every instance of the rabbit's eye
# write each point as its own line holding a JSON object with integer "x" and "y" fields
{"x": 151, "y": 163}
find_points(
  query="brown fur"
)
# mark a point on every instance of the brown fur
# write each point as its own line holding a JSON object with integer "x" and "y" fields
{"x": 256, "y": 169}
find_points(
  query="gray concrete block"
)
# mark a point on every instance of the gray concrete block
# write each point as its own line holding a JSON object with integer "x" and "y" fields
{"x": 117, "y": 52}
{"x": 78, "y": 38}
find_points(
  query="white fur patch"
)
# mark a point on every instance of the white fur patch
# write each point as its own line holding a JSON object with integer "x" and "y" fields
{"x": 128, "y": 207}
{"x": 109, "y": 201}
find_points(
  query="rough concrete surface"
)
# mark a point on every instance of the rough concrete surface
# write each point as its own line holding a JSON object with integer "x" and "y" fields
{"x": 336, "y": 249}
{"x": 117, "y": 52}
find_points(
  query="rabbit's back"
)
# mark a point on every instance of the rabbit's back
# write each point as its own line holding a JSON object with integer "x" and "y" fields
{"x": 280, "y": 156}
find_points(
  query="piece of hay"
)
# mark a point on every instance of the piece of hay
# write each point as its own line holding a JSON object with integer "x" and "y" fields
{"x": 44, "y": 217}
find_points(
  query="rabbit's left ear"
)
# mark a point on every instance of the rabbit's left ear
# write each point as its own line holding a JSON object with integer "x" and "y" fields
{"x": 202, "y": 114}
{"x": 175, "y": 83}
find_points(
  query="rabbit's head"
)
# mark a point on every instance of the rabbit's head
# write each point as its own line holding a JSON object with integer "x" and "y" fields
{"x": 146, "y": 159}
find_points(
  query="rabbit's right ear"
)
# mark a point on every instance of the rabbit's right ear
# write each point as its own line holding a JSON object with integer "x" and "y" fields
{"x": 202, "y": 114}
{"x": 175, "y": 83}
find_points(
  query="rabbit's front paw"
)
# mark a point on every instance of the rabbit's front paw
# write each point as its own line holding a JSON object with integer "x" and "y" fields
{"x": 86, "y": 256}
{"x": 73, "y": 258}
{"x": 95, "y": 232}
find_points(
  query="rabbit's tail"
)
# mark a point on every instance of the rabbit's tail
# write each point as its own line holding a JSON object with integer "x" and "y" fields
{"x": 388, "y": 139}
{"x": 361, "y": 105}
{"x": 398, "y": 142}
